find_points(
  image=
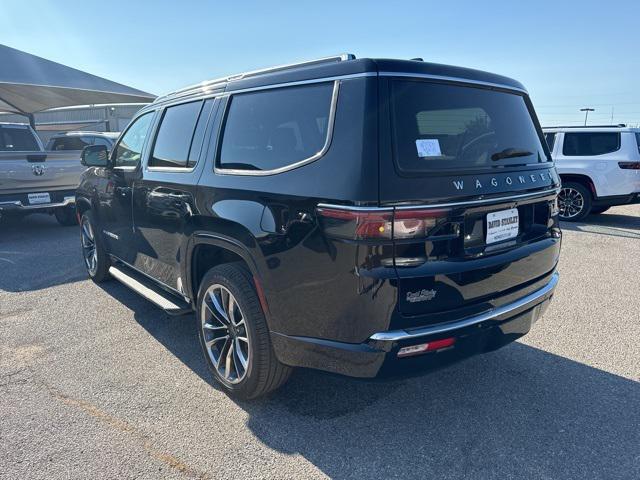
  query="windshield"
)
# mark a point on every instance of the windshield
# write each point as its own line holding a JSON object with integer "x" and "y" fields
{"x": 441, "y": 127}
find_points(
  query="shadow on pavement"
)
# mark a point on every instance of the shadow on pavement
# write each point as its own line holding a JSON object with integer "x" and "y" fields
{"x": 612, "y": 224}
{"x": 36, "y": 253}
{"x": 519, "y": 412}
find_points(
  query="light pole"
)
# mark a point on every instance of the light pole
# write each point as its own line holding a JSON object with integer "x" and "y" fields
{"x": 586, "y": 113}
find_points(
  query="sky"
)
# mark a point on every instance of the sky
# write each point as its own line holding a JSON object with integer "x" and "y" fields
{"x": 568, "y": 54}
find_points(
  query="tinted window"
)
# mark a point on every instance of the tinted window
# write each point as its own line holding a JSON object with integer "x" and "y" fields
{"x": 198, "y": 135}
{"x": 17, "y": 139}
{"x": 275, "y": 128}
{"x": 102, "y": 141}
{"x": 590, "y": 143}
{"x": 438, "y": 127}
{"x": 551, "y": 140}
{"x": 69, "y": 143}
{"x": 638, "y": 140}
{"x": 175, "y": 134}
{"x": 129, "y": 149}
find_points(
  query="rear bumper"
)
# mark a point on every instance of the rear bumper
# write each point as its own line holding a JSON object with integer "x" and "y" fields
{"x": 20, "y": 203}
{"x": 378, "y": 356}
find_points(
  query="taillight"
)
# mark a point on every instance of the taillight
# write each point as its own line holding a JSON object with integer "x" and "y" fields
{"x": 379, "y": 224}
{"x": 629, "y": 165}
{"x": 415, "y": 223}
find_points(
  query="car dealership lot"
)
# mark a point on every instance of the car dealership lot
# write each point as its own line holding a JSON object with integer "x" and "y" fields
{"x": 95, "y": 382}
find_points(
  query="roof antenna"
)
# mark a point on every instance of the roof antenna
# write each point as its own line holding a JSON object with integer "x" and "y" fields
{"x": 417, "y": 59}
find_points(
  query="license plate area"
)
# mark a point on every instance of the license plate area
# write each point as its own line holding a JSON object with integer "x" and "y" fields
{"x": 502, "y": 225}
{"x": 39, "y": 198}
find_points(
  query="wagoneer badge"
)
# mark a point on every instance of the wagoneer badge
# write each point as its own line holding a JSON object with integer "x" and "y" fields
{"x": 420, "y": 296}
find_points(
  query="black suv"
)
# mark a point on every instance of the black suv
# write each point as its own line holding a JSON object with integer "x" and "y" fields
{"x": 358, "y": 216}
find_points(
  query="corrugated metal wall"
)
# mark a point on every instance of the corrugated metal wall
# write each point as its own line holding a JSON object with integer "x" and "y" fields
{"x": 97, "y": 118}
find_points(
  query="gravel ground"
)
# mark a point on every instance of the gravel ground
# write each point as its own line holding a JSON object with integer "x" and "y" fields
{"x": 95, "y": 382}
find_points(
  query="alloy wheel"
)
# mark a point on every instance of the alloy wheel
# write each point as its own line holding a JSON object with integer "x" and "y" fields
{"x": 224, "y": 332}
{"x": 571, "y": 203}
{"x": 89, "y": 251}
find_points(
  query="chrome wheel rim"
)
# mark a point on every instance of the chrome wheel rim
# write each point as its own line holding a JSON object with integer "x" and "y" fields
{"x": 89, "y": 251}
{"x": 570, "y": 202}
{"x": 224, "y": 332}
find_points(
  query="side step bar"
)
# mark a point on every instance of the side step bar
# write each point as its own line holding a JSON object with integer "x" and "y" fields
{"x": 143, "y": 286}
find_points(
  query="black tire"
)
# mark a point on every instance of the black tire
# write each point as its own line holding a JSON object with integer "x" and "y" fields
{"x": 97, "y": 268}
{"x": 66, "y": 216}
{"x": 598, "y": 210}
{"x": 574, "y": 201}
{"x": 263, "y": 372}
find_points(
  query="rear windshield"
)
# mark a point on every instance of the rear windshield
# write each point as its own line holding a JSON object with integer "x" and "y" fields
{"x": 442, "y": 127}
{"x": 17, "y": 139}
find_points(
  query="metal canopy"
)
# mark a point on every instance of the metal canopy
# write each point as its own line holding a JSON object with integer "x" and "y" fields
{"x": 30, "y": 84}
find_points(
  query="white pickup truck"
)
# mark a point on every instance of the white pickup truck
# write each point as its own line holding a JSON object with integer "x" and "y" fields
{"x": 34, "y": 180}
{"x": 599, "y": 167}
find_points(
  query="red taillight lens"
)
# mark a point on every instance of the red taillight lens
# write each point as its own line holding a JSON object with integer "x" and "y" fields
{"x": 356, "y": 224}
{"x": 379, "y": 224}
{"x": 629, "y": 165}
{"x": 415, "y": 223}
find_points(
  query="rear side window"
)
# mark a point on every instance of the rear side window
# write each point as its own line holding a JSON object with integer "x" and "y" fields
{"x": 275, "y": 128}
{"x": 442, "y": 127}
{"x": 551, "y": 140}
{"x": 175, "y": 135}
{"x": 590, "y": 143}
{"x": 69, "y": 143}
{"x": 17, "y": 139}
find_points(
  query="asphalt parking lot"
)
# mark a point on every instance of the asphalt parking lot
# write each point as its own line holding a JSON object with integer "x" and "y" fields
{"x": 95, "y": 382}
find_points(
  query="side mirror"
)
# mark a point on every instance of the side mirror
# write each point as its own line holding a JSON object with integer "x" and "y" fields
{"x": 95, "y": 156}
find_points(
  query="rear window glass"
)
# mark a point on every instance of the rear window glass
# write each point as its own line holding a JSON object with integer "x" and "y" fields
{"x": 17, "y": 139}
{"x": 175, "y": 134}
{"x": 275, "y": 128}
{"x": 69, "y": 143}
{"x": 590, "y": 143}
{"x": 440, "y": 127}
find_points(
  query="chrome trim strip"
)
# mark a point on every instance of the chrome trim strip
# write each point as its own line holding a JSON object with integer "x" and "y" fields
{"x": 528, "y": 301}
{"x": 312, "y": 158}
{"x": 143, "y": 290}
{"x": 238, "y": 76}
{"x": 19, "y": 205}
{"x": 204, "y": 95}
{"x": 441, "y": 205}
{"x": 452, "y": 79}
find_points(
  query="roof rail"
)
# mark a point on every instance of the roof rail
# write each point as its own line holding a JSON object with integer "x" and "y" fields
{"x": 590, "y": 126}
{"x": 239, "y": 76}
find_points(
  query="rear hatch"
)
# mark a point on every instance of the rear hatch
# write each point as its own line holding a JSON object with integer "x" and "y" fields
{"x": 473, "y": 192}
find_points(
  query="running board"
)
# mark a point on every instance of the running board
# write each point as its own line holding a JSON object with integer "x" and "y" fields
{"x": 143, "y": 286}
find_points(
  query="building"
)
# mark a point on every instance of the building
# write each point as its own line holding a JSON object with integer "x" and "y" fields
{"x": 97, "y": 118}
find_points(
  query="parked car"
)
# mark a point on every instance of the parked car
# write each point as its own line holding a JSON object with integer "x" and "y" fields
{"x": 79, "y": 140}
{"x": 599, "y": 167}
{"x": 364, "y": 217}
{"x": 32, "y": 180}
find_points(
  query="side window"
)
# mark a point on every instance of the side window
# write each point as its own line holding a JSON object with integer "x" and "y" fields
{"x": 587, "y": 144}
{"x": 551, "y": 140}
{"x": 274, "y": 128}
{"x": 638, "y": 141}
{"x": 175, "y": 135}
{"x": 129, "y": 149}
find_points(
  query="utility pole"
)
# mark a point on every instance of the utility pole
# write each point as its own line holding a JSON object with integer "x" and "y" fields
{"x": 586, "y": 113}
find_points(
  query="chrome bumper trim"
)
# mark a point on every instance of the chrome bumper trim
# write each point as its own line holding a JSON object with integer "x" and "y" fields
{"x": 523, "y": 303}
{"x": 18, "y": 205}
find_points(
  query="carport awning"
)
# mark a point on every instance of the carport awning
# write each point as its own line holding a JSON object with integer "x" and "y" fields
{"x": 30, "y": 84}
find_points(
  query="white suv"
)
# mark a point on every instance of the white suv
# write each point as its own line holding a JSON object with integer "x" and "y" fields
{"x": 599, "y": 168}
